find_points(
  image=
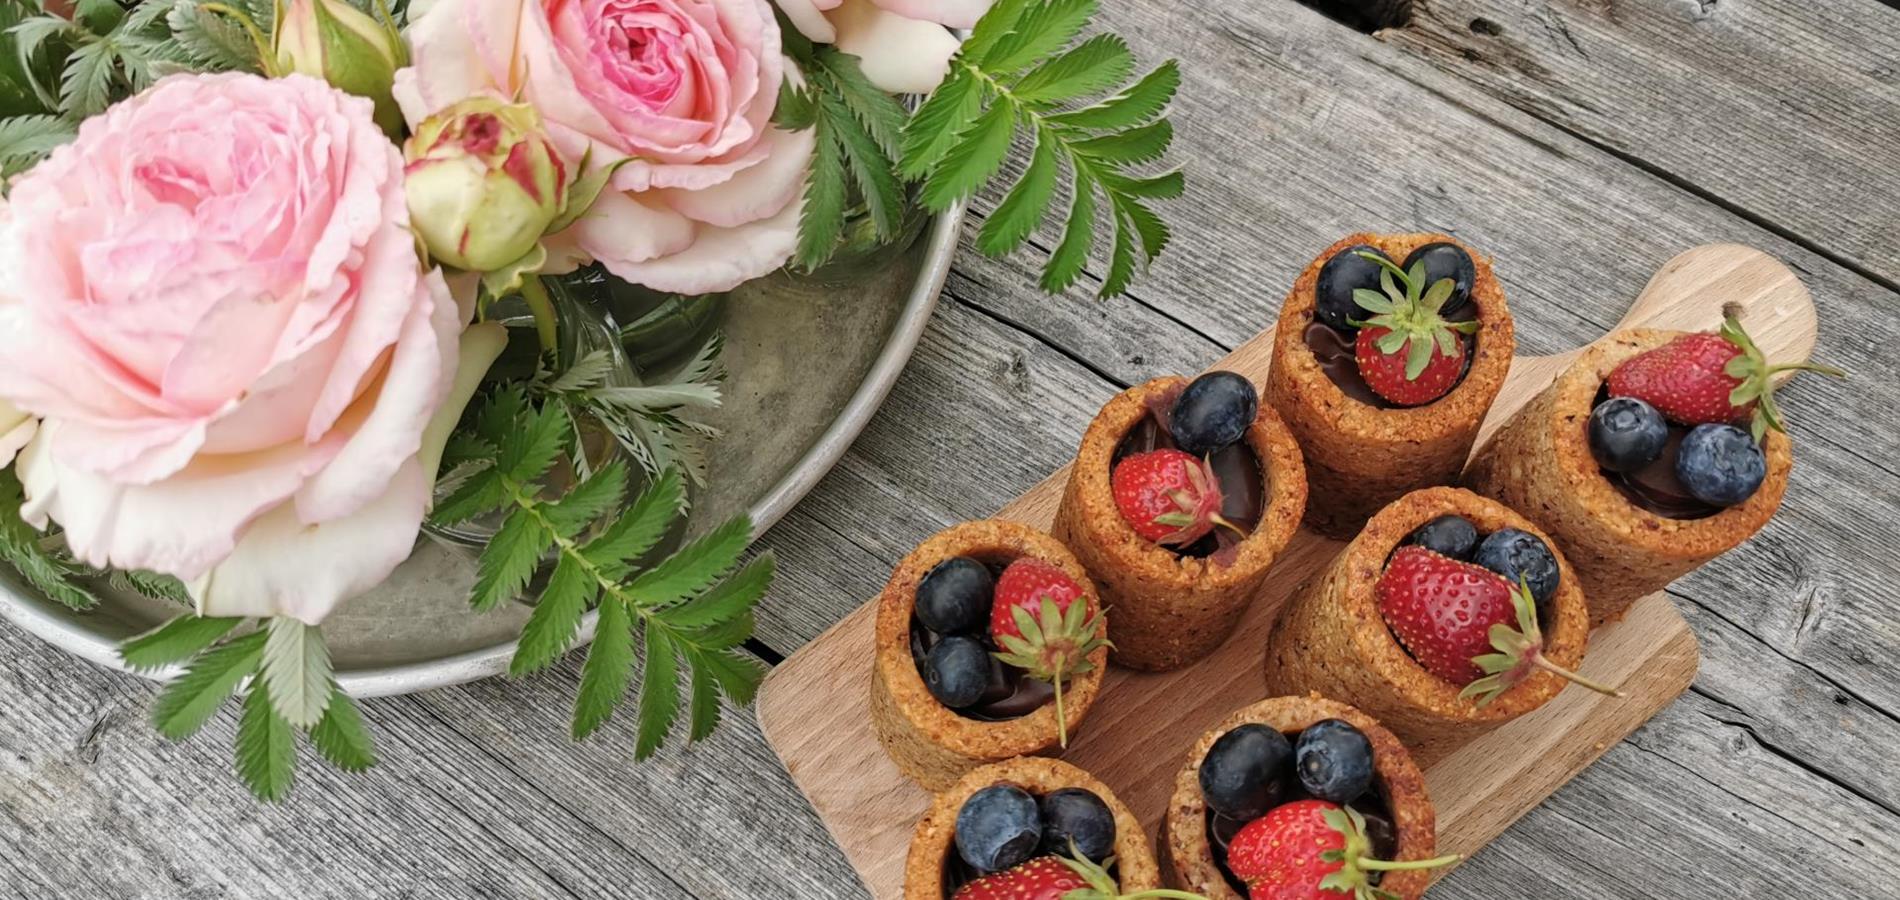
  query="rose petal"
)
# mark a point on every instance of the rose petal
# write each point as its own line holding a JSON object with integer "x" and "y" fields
{"x": 953, "y": 13}
{"x": 809, "y": 17}
{"x": 720, "y": 259}
{"x": 620, "y": 229}
{"x": 757, "y": 192}
{"x": 899, "y": 54}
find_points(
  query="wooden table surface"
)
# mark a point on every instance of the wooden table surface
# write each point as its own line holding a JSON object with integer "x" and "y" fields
{"x": 1580, "y": 142}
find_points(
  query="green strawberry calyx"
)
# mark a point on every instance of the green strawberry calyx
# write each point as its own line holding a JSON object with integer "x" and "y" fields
{"x": 1520, "y": 654}
{"x": 1197, "y": 507}
{"x": 1102, "y": 886}
{"x": 1757, "y": 377}
{"x": 1354, "y": 875}
{"x": 1409, "y": 309}
{"x": 1054, "y": 647}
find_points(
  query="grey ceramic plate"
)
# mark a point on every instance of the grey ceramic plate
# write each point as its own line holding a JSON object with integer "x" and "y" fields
{"x": 810, "y": 361}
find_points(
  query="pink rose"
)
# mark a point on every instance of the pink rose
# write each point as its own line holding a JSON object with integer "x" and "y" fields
{"x": 681, "y": 90}
{"x": 218, "y": 312}
{"x": 903, "y": 45}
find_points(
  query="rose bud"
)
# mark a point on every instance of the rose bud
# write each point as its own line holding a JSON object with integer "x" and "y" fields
{"x": 334, "y": 41}
{"x": 484, "y": 183}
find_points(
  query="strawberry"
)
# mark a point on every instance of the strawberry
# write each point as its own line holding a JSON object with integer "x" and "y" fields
{"x": 1451, "y": 616}
{"x": 1706, "y": 378}
{"x": 1168, "y": 496}
{"x": 1042, "y": 620}
{"x": 1406, "y": 351}
{"x": 1311, "y": 850}
{"x": 1058, "y": 878}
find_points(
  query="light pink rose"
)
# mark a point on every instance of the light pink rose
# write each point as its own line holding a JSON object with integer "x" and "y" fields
{"x": 682, "y": 90}
{"x": 16, "y": 428}
{"x": 218, "y": 312}
{"x": 903, "y": 45}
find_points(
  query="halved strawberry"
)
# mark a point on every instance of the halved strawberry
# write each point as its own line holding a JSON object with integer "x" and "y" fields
{"x": 1705, "y": 378}
{"x": 1406, "y": 351}
{"x": 1042, "y": 620}
{"x": 1168, "y": 496}
{"x": 1311, "y": 850}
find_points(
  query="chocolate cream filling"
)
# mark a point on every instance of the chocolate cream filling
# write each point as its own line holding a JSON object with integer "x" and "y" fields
{"x": 1655, "y": 487}
{"x": 1236, "y": 468}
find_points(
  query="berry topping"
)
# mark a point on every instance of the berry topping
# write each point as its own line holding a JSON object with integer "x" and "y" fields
{"x": 1311, "y": 850}
{"x": 1443, "y": 260}
{"x": 998, "y": 827}
{"x": 1406, "y": 351}
{"x": 1077, "y": 823}
{"x": 954, "y": 597}
{"x": 1626, "y": 434}
{"x": 1045, "y": 626}
{"x": 1720, "y": 465}
{"x": 1450, "y": 615}
{"x": 957, "y": 671}
{"x": 1169, "y": 497}
{"x": 1351, "y": 269}
{"x": 1334, "y": 760}
{"x": 1521, "y": 556}
{"x": 1244, "y": 773}
{"x": 1704, "y": 378}
{"x": 1448, "y": 535}
{"x": 1212, "y": 412}
{"x": 1058, "y": 878}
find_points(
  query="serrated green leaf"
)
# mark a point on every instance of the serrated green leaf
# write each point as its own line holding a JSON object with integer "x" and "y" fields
{"x": 1152, "y": 231}
{"x": 485, "y": 491}
{"x": 341, "y": 737}
{"x": 589, "y": 500}
{"x": 738, "y": 675}
{"x": 150, "y": 584}
{"x": 694, "y": 567}
{"x": 187, "y": 702}
{"x": 870, "y": 168}
{"x": 99, "y": 16}
{"x": 296, "y": 671}
{"x": 527, "y": 454}
{"x": 1046, "y": 27}
{"x": 639, "y": 528}
{"x": 878, "y": 113}
{"x": 728, "y": 598}
{"x": 703, "y": 717}
{"x": 934, "y": 128}
{"x": 24, "y": 140}
{"x": 821, "y": 220}
{"x": 796, "y": 111}
{"x": 608, "y": 669}
{"x": 1091, "y": 66}
{"x": 1137, "y": 105}
{"x": 550, "y": 629}
{"x": 175, "y": 641}
{"x": 1166, "y": 186}
{"x": 1121, "y": 260}
{"x": 213, "y": 42}
{"x": 1023, "y": 209}
{"x": 266, "y": 748}
{"x": 657, "y": 397}
{"x": 996, "y": 24}
{"x": 1078, "y": 236}
{"x": 723, "y": 635}
{"x": 975, "y": 157}
{"x": 509, "y": 560}
{"x": 83, "y": 86}
{"x": 659, "y": 692}
{"x": 1136, "y": 145}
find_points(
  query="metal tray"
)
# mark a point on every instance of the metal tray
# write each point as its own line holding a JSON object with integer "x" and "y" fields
{"x": 810, "y": 360}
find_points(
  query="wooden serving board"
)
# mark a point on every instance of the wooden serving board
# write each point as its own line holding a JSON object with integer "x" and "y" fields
{"x": 814, "y": 707}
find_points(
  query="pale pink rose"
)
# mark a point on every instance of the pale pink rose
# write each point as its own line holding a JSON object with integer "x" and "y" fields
{"x": 903, "y": 46}
{"x": 682, "y": 90}
{"x": 218, "y": 312}
{"x": 16, "y": 428}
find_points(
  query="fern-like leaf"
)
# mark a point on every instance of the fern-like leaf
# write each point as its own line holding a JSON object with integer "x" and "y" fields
{"x": 609, "y": 669}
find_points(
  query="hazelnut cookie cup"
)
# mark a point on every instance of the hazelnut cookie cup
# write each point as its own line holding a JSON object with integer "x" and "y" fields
{"x": 1334, "y": 639}
{"x": 933, "y": 845}
{"x": 1540, "y": 464}
{"x": 1172, "y": 608}
{"x": 931, "y": 743}
{"x": 1188, "y": 851}
{"x": 1361, "y": 451}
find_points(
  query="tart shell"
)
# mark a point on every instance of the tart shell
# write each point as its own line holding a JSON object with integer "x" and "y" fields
{"x": 1540, "y": 464}
{"x": 1187, "y": 855}
{"x": 1332, "y": 638}
{"x": 1360, "y": 457}
{"x": 1170, "y": 610}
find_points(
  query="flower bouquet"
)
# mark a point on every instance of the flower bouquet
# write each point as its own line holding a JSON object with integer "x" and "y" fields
{"x": 292, "y": 285}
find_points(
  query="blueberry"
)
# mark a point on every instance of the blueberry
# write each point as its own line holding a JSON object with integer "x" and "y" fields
{"x": 998, "y": 828}
{"x": 1338, "y": 278}
{"x": 1334, "y": 761}
{"x": 1212, "y": 412}
{"x": 1078, "y": 816}
{"x": 954, "y": 597}
{"x": 1521, "y": 555}
{"x": 1720, "y": 465}
{"x": 957, "y": 671}
{"x": 1244, "y": 774}
{"x": 1626, "y": 434}
{"x": 1452, "y": 536}
{"x": 1446, "y": 260}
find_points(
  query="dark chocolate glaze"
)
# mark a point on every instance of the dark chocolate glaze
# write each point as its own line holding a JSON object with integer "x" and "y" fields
{"x": 1655, "y": 487}
{"x": 1380, "y": 831}
{"x": 1011, "y": 694}
{"x": 1333, "y": 349}
{"x": 1236, "y": 468}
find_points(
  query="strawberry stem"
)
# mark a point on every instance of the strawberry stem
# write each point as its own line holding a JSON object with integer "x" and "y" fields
{"x": 1380, "y": 865}
{"x": 1542, "y": 662}
{"x": 1062, "y": 718}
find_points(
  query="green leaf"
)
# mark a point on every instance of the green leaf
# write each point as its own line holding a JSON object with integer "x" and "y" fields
{"x": 639, "y": 528}
{"x": 213, "y": 42}
{"x": 934, "y": 128}
{"x": 796, "y": 111}
{"x": 821, "y": 220}
{"x": 484, "y": 491}
{"x": 870, "y": 168}
{"x": 729, "y": 598}
{"x": 1418, "y": 356}
{"x": 703, "y": 716}
{"x": 175, "y": 641}
{"x": 1121, "y": 260}
{"x": 723, "y": 635}
{"x": 296, "y": 671}
{"x": 1094, "y": 65}
{"x": 24, "y": 140}
{"x": 550, "y": 630}
{"x": 187, "y": 702}
{"x": 1149, "y": 227}
{"x": 83, "y": 86}
{"x": 881, "y": 116}
{"x": 694, "y": 567}
{"x": 342, "y": 737}
{"x": 1023, "y": 209}
{"x": 608, "y": 669}
{"x": 657, "y": 397}
{"x": 1138, "y": 105}
{"x": 979, "y": 151}
{"x": 738, "y": 674}
{"x": 659, "y": 692}
{"x": 995, "y": 25}
{"x": 509, "y": 560}
{"x": 1046, "y": 27}
{"x": 526, "y": 454}
{"x": 1136, "y": 145}
{"x": 1166, "y": 186}
{"x": 1078, "y": 236}
{"x": 589, "y": 500}
{"x": 150, "y": 584}
{"x": 266, "y": 748}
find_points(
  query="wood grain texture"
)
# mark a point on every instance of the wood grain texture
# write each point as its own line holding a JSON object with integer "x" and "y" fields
{"x": 813, "y": 707}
